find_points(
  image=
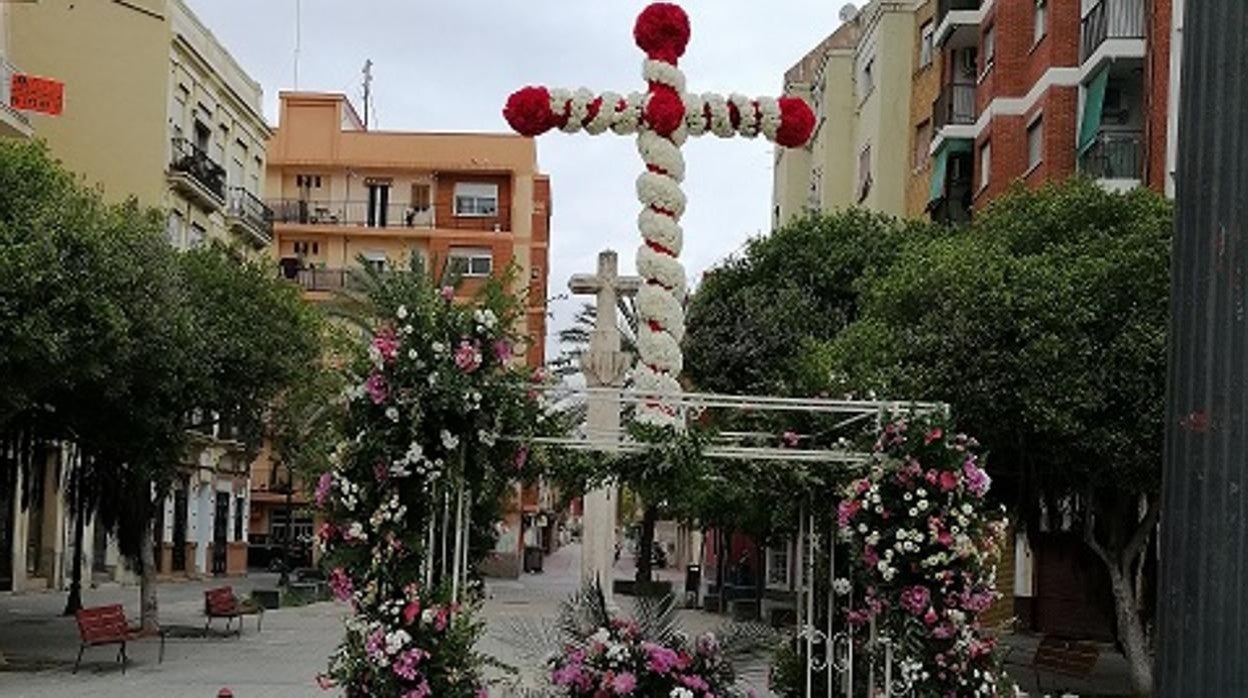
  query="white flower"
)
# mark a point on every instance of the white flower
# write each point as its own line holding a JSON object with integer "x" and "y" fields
{"x": 408, "y": 329}
{"x": 438, "y": 348}
{"x": 921, "y": 505}
{"x": 411, "y": 354}
{"x": 392, "y": 413}
{"x": 402, "y": 313}
{"x": 913, "y": 512}
{"x": 487, "y": 438}
{"x": 841, "y": 586}
{"x": 449, "y": 440}
{"x": 921, "y": 492}
{"x": 862, "y": 528}
{"x": 907, "y": 496}
{"x": 680, "y": 692}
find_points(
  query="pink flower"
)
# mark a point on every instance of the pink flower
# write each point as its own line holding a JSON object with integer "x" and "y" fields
{"x": 522, "y": 457}
{"x": 406, "y": 663}
{"x": 915, "y": 599}
{"x": 661, "y": 660}
{"x": 325, "y": 533}
{"x": 502, "y": 351}
{"x": 948, "y": 481}
{"x": 381, "y": 472}
{"x": 340, "y": 584}
{"x": 870, "y": 556}
{"x": 386, "y": 344}
{"x": 443, "y": 617}
{"x": 467, "y": 357}
{"x": 790, "y": 439}
{"x": 323, "y": 487}
{"x": 421, "y": 691}
{"x": 324, "y": 682}
{"x": 448, "y": 293}
{"x": 376, "y": 387}
{"x": 930, "y": 617}
{"x": 846, "y": 511}
{"x": 411, "y": 612}
{"x": 624, "y": 684}
{"x": 935, "y": 434}
{"x": 977, "y": 481}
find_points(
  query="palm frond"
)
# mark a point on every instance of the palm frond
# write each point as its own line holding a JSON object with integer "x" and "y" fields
{"x": 657, "y": 619}
{"x": 583, "y": 614}
{"x": 737, "y": 640}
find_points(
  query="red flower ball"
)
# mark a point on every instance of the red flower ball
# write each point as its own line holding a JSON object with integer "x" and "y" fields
{"x": 528, "y": 111}
{"x": 797, "y": 122}
{"x": 665, "y": 110}
{"x": 662, "y": 31}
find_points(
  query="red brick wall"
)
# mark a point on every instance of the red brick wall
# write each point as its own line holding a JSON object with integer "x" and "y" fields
{"x": 1157, "y": 92}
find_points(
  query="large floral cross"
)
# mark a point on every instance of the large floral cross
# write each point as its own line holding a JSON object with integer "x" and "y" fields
{"x": 663, "y": 118}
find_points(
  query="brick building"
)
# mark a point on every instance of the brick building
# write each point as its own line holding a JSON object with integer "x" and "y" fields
{"x": 1038, "y": 90}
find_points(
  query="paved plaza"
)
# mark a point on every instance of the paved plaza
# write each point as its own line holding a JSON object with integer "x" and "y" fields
{"x": 281, "y": 661}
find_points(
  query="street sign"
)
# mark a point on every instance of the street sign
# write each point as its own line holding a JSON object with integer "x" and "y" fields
{"x": 41, "y": 95}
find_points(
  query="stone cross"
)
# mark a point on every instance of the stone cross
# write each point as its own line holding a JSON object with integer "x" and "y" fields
{"x": 663, "y": 118}
{"x": 604, "y": 366}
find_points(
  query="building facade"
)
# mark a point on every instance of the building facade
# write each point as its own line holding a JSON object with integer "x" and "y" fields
{"x": 155, "y": 109}
{"x": 475, "y": 205}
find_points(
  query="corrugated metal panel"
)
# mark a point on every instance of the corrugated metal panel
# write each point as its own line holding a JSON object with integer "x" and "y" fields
{"x": 1204, "y": 577}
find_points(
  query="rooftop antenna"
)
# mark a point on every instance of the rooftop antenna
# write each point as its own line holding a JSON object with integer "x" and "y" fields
{"x": 298, "y": 37}
{"x": 368, "y": 82}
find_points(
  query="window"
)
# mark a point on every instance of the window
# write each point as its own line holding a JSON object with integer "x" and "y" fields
{"x": 240, "y": 503}
{"x": 777, "y": 562}
{"x": 1035, "y": 143}
{"x": 305, "y": 181}
{"x": 305, "y": 247}
{"x": 990, "y": 47}
{"x": 922, "y": 144}
{"x": 175, "y": 228}
{"x": 421, "y": 196}
{"x": 378, "y": 203}
{"x": 278, "y": 525}
{"x": 466, "y": 261}
{"x": 985, "y": 164}
{"x": 867, "y": 83}
{"x": 1041, "y": 21}
{"x": 374, "y": 259}
{"x": 198, "y": 233}
{"x": 476, "y": 199}
{"x": 925, "y": 44}
{"x": 864, "y": 172}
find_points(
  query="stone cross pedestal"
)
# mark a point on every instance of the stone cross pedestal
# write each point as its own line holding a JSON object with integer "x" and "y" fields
{"x": 603, "y": 366}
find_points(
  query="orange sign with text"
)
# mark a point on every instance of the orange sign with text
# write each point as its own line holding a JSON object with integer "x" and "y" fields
{"x": 42, "y": 95}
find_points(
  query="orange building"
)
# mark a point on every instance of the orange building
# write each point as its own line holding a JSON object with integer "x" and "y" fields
{"x": 342, "y": 196}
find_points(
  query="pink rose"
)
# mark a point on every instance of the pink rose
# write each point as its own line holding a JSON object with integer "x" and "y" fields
{"x": 948, "y": 481}
{"x": 502, "y": 351}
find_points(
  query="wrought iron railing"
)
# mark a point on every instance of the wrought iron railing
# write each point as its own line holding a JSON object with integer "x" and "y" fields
{"x": 247, "y": 207}
{"x": 1114, "y": 155}
{"x": 373, "y": 215}
{"x": 189, "y": 159}
{"x": 1111, "y": 19}
{"x": 954, "y": 105}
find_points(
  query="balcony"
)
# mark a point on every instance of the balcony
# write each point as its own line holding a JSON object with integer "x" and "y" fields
{"x": 957, "y": 23}
{"x": 196, "y": 176}
{"x": 13, "y": 123}
{"x": 250, "y": 217}
{"x": 314, "y": 279}
{"x": 1112, "y": 29}
{"x": 955, "y": 106}
{"x": 357, "y": 213}
{"x": 1116, "y": 158}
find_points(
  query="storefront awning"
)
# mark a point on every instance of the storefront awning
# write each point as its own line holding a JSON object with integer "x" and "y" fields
{"x": 1093, "y": 107}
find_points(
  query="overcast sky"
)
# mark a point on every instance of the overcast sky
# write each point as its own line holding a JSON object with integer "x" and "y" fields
{"x": 450, "y": 64}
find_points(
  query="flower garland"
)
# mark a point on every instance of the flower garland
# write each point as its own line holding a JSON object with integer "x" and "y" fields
{"x": 663, "y": 118}
{"x": 925, "y": 547}
{"x": 437, "y": 387}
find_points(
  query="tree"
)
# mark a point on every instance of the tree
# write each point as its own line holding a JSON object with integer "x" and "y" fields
{"x": 1043, "y": 324}
{"x": 751, "y": 314}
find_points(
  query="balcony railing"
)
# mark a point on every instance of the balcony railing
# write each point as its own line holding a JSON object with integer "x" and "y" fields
{"x": 1114, "y": 155}
{"x": 954, "y": 105}
{"x": 362, "y": 213}
{"x": 244, "y": 206}
{"x": 1111, "y": 19}
{"x": 313, "y": 279}
{"x": 944, "y": 7}
{"x": 190, "y": 160}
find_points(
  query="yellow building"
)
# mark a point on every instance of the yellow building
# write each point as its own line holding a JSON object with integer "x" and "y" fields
{"x": 155, "y": 108}
{"x": 343, "y": 196}
{"x": 13, "y": 124}
{"x": 859, "y": 82}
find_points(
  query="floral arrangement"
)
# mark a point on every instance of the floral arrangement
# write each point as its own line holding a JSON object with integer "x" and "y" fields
{"x": 436, "y": 389}
{"x": 663, "y": 118}
{"x": 647, "y": 657}
{"x": 925, "y": 546}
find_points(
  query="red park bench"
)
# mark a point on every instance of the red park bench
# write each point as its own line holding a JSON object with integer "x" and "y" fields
{"x": 222, "y": 603}
{"x": 107, "y": 625}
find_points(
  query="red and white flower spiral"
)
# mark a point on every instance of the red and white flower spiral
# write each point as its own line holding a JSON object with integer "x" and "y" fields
{"x": 662, "y": 119}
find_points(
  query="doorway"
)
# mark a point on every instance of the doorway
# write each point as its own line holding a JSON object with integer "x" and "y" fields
{"x": 220, "y": 532}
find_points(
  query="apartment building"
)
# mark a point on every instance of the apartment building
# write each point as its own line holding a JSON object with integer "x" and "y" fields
{"x": 1038, "y": 90}
{"x": 859, "y": 85}
{"x": 155, "y": 108}
{"x": 343, "y": 196}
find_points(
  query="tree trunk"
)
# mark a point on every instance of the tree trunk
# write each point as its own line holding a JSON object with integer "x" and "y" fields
{"x": 1131, "y": 629}
{"x": 645, "y": 545}
{"x": 74, "y": 602}
{"x": 148, "y": 608}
